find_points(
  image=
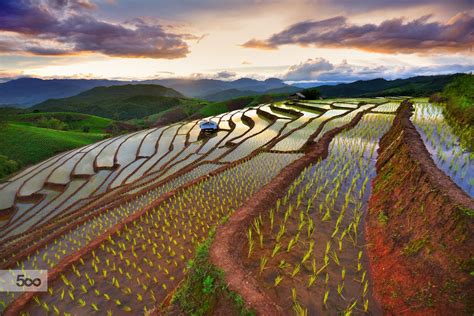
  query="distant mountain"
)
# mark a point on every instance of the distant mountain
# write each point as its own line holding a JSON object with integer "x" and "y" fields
{"x": 415, "y": 86}
{"x": 287, "y": 89}
{"x": 28, "y": 91}
{"x": 25, "y": 92}
{"x": 235, "y": 93}
{"x": 203, "y": 87}
{"x": 305, "y": 85}
{"x": 229, "y": 94}
{"x": 119, "y": 102}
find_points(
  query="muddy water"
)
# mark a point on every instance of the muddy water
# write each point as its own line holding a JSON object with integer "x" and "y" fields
{"x": 320, "y": 196}
{"x": 149, "y": 144}
{"x": 298, "y": 138}
{"x": 254, "y": 142}
{"x": 268, "y": 109}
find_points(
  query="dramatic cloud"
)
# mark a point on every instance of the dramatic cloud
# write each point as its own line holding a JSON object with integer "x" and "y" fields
{"x": 310, "y": 69}
{"x": 321, "y": 70}
{"x": 62, "y": 27}
{"x": 369, "y": 5}
{"x": 390, "y": 36}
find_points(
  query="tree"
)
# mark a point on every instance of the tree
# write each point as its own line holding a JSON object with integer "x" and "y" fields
{"x": 311, "y": 93}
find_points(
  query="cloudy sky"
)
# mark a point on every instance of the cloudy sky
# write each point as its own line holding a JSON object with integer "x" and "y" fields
{"x": 305, "y": 40}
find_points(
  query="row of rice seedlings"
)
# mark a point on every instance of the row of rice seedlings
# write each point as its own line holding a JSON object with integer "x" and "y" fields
{"x": 340, "y": 121}
{"x": 19, "y": 229}
{"x": 444, "y": 146}
{"x": 51, "y": 254}
{"x": 139, "y": 265}
{"x": 294, "y": 140}
{"x": 309, "y": 241}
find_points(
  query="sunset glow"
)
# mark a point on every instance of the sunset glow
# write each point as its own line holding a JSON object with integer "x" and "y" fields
{"x": 122, "y": 39}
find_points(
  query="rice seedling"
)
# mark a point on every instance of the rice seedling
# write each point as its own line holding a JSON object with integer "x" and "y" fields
{"x": 276, "y": 249}
{"x": 325, "y": 299}
{"x": 278, "y": 279}
{"x": 251, "y": 242}
{"x": 299, "y": 310}
{"x": 295, "y": 270}
{"x": 263, "y": 262}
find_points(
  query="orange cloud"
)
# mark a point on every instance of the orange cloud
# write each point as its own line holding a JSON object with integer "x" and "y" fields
{"x": 254, "y": 43}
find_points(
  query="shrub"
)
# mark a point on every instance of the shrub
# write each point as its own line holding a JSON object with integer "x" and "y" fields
{"x": 7, "y": 166}
{"x": 52, "y": 123}
{"x": 382, "y": 218}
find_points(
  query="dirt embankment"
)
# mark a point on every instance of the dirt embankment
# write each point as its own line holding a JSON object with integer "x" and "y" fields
{"x": 419, "y": 229}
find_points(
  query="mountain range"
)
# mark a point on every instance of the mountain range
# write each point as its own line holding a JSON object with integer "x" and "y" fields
{"x": 26, "y": 92}
{"x": 414, "y": 86}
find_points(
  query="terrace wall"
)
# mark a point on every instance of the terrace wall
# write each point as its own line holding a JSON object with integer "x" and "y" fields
{"x": 419, "y": 229}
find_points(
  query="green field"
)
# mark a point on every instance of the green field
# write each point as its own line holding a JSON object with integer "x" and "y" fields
{"x": 29, "y": 144}
{"x": 75, "y": 121}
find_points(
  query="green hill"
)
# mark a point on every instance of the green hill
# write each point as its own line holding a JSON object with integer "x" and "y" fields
{"x": 119, "y": 102}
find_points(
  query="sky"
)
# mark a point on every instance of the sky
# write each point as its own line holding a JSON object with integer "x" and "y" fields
{"x": 297, "y": 41}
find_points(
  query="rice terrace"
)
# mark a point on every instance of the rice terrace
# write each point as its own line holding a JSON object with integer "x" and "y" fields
{"x": 319, "y": 189}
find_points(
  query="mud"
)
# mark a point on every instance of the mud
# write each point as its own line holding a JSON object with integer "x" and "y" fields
{"x": 419, "y": 230}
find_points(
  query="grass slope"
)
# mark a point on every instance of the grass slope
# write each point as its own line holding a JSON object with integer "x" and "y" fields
{"x": 29, "y": 144}
{"x": 23, "y": 142}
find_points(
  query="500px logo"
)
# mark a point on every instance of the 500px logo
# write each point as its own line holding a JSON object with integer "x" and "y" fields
{"x": 23, "y": 280}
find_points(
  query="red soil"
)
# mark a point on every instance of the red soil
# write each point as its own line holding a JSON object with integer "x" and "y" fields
{"x": 420, "y": 236}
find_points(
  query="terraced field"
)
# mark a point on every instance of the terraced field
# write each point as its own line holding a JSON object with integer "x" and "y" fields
{"x": 116, "y": 222}
{"x": 444, "y": 146}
